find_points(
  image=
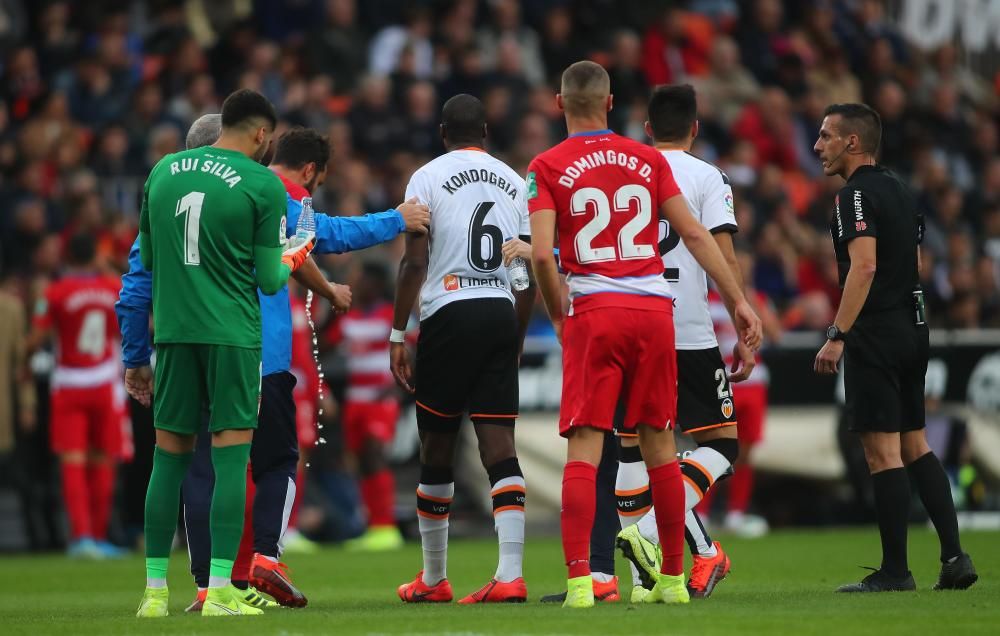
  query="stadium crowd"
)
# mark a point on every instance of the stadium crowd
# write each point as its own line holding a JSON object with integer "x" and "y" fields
{"x": 93, "y": 94}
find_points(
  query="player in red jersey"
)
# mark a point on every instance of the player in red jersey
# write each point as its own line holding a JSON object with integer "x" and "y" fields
{"x": 370, "y": 405}
{"x": 86, "y": 431}
{"x": 604, "y": 195}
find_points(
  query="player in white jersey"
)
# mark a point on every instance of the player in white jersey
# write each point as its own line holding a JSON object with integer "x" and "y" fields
{"x": 705, "y": 406}
{"x": 471, "y": 330}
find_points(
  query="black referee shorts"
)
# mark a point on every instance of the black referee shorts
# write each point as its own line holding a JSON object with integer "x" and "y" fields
{"x": 467, "y": 362}
{"x": 885, "y": 361}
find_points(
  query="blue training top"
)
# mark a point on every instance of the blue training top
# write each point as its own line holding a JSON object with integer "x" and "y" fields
{"x": 334, "y": 235}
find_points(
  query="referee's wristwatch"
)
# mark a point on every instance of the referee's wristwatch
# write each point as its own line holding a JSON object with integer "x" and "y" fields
{"x": 834, "y": 333}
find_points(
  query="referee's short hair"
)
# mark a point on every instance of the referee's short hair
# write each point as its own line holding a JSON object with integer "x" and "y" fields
{"x": 672, "y": 111}
{"x": 860, "y": 120}
{"x": 244, "y": 106}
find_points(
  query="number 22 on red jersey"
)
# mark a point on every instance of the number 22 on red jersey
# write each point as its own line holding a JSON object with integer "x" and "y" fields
{"x": 607, "y": 191}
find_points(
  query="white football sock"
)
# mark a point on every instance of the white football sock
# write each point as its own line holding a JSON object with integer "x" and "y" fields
{"x": 697, "y": 537}
{"x": 508, "y": 517}
{"x": 632, "y": 483}
{"x": 434, "y": 530}
{"x": 707, "y": 464}
{"x": 218, "y": 581}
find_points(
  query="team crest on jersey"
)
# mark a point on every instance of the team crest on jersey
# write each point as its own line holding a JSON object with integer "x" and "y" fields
{"x": 283, "y": 230}
{"x": 727, "y": 408}
{"x": 532, "y": 186}
{"x": 730, "y": 207}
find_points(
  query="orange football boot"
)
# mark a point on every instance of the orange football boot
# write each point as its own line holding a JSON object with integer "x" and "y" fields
{"x": 606, "y": 592}
{"x": 272, "y": 577}
{"x": 496, "y": 592}
{"x": 417, "y": 591}
{"x": 199, "y": 602}
{"x": 707, "y": 572}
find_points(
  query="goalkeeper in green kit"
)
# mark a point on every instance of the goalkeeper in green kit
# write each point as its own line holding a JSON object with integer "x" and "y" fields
{"x": 212, "y": 229}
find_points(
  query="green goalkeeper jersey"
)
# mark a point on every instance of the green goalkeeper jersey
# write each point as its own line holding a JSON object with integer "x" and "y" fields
{"x": 204, "y": 211}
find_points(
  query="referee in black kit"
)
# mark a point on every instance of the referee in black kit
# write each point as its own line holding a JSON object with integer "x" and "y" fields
{"x": 881, "y": 332}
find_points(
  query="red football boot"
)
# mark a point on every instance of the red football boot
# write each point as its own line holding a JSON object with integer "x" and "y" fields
{"x": 606, "y": 592}
{"x": 417, "y": 591}
{"x": 496, "y": 592}
{"x": 707, "y": 572}
{"x": 199, "y": 602}
{"x": 272, "y": 577}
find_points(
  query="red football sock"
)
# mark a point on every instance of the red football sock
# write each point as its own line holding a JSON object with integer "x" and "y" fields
{"x": 300, "y": 488}
{"x": 244, "y": 557}
{"x": 379, "y": 494}
{"x": 101, "y": 478}
{"x": 579, "y": 501}
{"x": 668, "y": 501}
{"x": 740, "y": 488}
{"x": 77, "y": 500}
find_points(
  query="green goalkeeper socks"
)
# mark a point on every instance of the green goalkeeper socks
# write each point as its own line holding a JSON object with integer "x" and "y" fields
{"x": 228, "y": 504}
{"x": 163, "y": 498}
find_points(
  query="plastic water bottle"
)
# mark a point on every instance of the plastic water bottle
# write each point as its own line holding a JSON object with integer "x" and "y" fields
{"x": 517, "y": 272}
{"x": 305, "y": 230}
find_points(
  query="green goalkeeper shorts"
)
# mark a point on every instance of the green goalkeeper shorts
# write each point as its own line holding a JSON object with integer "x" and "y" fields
{"x": 192, "y": 376}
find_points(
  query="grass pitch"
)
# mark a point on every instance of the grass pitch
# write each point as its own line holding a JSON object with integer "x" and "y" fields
{"x": 781, "y": 584}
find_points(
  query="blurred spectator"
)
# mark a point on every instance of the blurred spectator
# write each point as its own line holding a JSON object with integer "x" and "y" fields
{"x": 833, "y": 78}
{"x": 389, "y": 44}
{"x": 421, "y": 123}
{"x": 560, "y": 47}
{"x": 944, "y": 67}
{"x": 627, "y": 82}
{"x": 503, "y": 24}
{"x": 761, "y": 40}
{"x": 728, "y": 85}
{"x": 375, "y": 126}
{"x": 675, "y": 46}
{"x": 337, "y": 48}
{"x": 767, "y": 125}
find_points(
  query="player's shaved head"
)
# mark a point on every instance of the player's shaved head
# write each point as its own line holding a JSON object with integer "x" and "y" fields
{"x": 585, "y": 89}
{"x": 463, "y": 121}
{"x": 204, "y": 131}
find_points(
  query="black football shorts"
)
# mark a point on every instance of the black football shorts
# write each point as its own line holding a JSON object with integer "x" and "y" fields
{"x": 467, "y": 360}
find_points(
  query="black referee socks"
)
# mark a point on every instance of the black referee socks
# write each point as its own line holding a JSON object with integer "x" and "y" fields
{"x": 935, "y": 491}
{"x": 892, "y": 502}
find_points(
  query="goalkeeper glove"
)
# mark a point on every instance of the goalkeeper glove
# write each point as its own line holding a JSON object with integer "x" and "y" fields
{"x": 297, "y": 253}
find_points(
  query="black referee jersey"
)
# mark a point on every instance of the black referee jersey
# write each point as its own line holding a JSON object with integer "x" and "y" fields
{"x": 886, "y": 350}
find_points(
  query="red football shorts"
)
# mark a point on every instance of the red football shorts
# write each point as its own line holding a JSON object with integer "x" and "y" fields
{"x": 612, "y": 351}
{"x": 86, "y": 419}
{"x": 751, "y": 400}
{"x": 364, "y": 420}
